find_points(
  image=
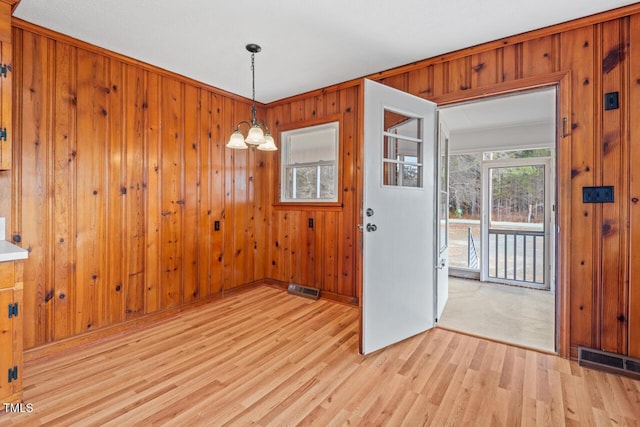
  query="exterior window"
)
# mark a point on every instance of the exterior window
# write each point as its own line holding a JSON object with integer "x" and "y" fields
{"x": 309, "y": 171}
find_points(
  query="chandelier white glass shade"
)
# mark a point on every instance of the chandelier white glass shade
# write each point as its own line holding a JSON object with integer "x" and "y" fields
{"x": 256, "y": 136}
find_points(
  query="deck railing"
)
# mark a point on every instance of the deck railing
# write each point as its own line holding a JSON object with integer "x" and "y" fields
{"x": 517, "y": 255}
{"x": 472, "y": 252}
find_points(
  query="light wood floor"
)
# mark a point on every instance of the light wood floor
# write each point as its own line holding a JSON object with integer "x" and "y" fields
{"x": 268, "y": 358}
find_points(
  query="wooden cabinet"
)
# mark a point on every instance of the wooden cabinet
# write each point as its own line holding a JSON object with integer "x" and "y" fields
{"x": 10, "y": 335}
{"x": 5, "y": 106}
{"x": 5, "y": 85}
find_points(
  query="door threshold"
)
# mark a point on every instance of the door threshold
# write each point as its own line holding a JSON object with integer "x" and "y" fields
{"x": 512, "y": 344}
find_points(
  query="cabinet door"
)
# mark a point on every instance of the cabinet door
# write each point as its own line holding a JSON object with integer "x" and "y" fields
{"x": 6, "y": 344}
{"x": 5, "y": 107}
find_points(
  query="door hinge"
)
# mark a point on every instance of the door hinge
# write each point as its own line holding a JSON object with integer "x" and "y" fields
{"x": 12, "y": 374}
{"x": 3, "y": 69}
{"x": 3, "y": 134}
{"x": 13, "y": 310}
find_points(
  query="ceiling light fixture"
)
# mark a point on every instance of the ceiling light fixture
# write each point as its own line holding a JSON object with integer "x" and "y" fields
{"x": 255, "y": 136}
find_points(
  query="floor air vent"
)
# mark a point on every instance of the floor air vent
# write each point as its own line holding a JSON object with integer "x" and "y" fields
{"x": 610, "y": 362}
{"x": 303, "y": 291}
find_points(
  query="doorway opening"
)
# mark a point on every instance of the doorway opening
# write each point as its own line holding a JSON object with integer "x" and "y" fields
{"x": 502, "y": 217}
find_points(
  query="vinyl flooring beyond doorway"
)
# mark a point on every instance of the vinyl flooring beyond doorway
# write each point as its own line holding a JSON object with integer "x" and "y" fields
{"x": 504, "y": 313}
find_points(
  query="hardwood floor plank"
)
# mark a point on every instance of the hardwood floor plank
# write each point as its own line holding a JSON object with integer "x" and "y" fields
{"x": 266, "y": 358}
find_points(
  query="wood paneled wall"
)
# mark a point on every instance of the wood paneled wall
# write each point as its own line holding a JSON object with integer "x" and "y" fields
{"x": 600, "y": 263}
{"x": 323, "y": 256}
{"x": 120, "y": 172}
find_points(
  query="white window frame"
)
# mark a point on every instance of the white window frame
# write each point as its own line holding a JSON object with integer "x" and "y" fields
{"x": 285, "y": 144}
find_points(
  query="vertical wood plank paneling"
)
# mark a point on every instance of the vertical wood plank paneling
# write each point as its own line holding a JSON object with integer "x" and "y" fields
{"x": 74, "y": 158}
{"x": 91, "y": 191}
{"x": 250, "y": 240}
{"x": 316, "y": 243}
{"x": 153, "y": 193}
{"x": 260, "y": 208}
{"x": 485, "y": 68}
{"x": 297, "y": 111}
{"x": 330, "y": 243}
{"x": 33, "y": 189}
{"x": 459, "y": 74}
{"x": 613, "y": 172}
{"x": 578, "y": 49}
{"x": 230, "y": 220}
{"x": 106, "y": 162}
{"x": 634, "y": 191}
{"x": 192, "y": 179}
{"x": 63, "y": 189}
{"x": 204, "y": 215}
{"x": 172, "y": 196}
{"x": 398, "y": 81}
{"x": 510, "y": 59}
{"x": 275, "y": 252}
{"x": 538, "y": 56}
{"x": 296, "y": 245}
{"x": 135, "y": 218}
{"x": 347, "y": 223}
{"x": 440, "y": 77}
{"x": 116, "y": 193}
{"x": 240, "y": 211}
{"x": 419, "y": 82}
{"x": 216, "y": 168}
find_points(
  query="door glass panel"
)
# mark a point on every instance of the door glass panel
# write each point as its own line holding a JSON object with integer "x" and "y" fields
{"x": 443, "y": 202}
{"x": 516, "y": 223}
{"x": 402, "y": 151}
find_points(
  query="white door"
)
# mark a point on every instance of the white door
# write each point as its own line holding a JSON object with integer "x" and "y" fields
{"x": 516, "y": 242}
{"x": 442, "y": 262}
{"x": 398, "y": 217}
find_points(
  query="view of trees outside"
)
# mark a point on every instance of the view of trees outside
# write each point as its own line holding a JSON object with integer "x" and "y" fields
{"x": 464, "y": 186}
{"x": 306, "y": 182}
{"x": 517, "y": 196}
{"x": 464, "y": 209}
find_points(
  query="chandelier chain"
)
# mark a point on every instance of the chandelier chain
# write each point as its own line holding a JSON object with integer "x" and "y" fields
{"x": 253, "y": 89}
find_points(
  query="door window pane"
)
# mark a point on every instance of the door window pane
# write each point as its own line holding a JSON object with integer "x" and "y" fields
{"x": 402, "y": 151}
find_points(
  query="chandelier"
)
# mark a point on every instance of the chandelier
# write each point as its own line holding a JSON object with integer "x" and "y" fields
{"x": 256, "y": 136}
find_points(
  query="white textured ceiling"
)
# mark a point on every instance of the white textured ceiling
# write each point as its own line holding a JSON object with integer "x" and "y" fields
{"x": 307, "y": 44}
{"x": 516, "y": 121}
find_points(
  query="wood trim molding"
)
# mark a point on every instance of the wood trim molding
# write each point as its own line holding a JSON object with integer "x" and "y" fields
{"x": 500, "y": 88}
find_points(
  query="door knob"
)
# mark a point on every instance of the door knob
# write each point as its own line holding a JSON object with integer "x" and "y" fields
{"x": 371, "y": 227}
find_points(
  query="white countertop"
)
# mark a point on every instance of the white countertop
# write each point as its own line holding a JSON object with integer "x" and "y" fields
{"x": 11, "y": 252}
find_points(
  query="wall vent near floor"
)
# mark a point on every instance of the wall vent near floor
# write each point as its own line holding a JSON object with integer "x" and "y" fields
{"x": 303, "y": 291}
{"x": 609, "y": 362}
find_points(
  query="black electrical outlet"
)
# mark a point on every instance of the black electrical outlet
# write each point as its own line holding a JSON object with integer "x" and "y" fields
{"x": 310, "y": 222}
{"x": 611, "y": 101}
{"x": 216, "y": 225}
{"x": 597, "y": 194}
